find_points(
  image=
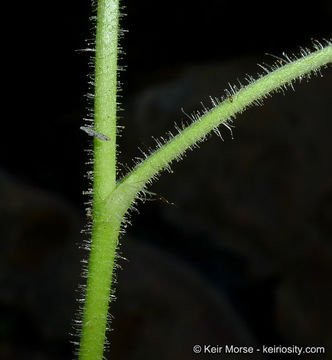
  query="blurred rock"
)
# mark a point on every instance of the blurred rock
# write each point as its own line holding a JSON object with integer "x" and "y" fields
{"x": 163, "y": 305}
{"x": 39, "y": 270}
{"x": 164, "y": 308}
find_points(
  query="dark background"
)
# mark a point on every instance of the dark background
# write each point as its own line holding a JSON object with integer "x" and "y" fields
{"x": 228, "y": 259}
{"x": 46, "y": 77}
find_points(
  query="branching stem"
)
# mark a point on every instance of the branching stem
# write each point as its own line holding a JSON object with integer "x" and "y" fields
{"x": 112, "y": 200}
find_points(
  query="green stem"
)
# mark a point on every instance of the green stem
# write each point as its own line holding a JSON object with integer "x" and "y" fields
{"x": 110, "y": 200}
{"x": 135, "y": 181}
{"x": 104, "y": 228}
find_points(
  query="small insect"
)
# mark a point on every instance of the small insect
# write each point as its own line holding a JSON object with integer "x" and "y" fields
{"x": 230, "y": 98}
{"x": 159, "y": 197}
{"x": 95, "y": 133}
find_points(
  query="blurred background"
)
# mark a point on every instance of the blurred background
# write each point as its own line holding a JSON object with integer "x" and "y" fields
{"x": 243, "y": 257}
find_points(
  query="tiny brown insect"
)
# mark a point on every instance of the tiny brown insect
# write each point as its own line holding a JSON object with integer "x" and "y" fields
{"x": 161, "y": 198}
{"x": 230, "y": 98}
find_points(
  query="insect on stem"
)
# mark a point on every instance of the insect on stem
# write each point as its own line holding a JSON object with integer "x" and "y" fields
{"x": 95, "y": 133}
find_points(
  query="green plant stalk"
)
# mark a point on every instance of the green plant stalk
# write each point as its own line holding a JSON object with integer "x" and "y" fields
{"x": 135, "y": 181}
{"x": 104, "y": 228}
{"x": 111, "y": 201}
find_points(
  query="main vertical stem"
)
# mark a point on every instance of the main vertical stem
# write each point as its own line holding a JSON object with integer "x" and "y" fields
{"x": 105, "y": 227}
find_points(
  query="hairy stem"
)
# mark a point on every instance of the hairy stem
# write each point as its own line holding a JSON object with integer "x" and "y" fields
{"x": 104, "y": 228}
{"x": 112, "y": 200}
{"x": 160, "y": 159}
